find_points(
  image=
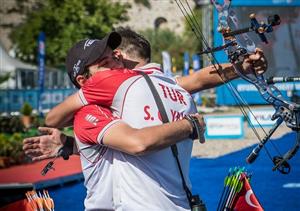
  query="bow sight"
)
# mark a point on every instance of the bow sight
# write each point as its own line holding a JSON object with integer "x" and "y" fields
{"x": 259, "y": 28}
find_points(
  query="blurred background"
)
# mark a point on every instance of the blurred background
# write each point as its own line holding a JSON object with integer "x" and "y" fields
{"x": 35, "y": 36}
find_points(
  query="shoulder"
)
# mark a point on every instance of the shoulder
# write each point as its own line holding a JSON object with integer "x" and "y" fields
{"x": 95, "y": 110}
{"x": 110, "y": 74}
{"x": 102, "y": 86}
{"x": 90, "y": 121}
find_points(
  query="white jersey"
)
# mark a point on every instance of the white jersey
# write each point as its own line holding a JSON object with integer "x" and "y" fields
{"x": 152, "y": 181}
{"x": 90, "y": 124}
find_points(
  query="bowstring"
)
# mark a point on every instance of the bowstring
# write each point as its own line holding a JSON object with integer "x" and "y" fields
{"x": 196, "y": 28}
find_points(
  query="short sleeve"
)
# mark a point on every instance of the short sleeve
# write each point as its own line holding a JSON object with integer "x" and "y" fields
{"x": 91, "y": 122}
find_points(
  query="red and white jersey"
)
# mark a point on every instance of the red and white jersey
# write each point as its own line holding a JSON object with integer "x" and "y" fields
{"x": 152, "y": 181}
{"x": 90, "y": 124}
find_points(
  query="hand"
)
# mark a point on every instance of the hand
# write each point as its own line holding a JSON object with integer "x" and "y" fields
{"x": 255, "y": 63}
{"x": 44, "y": 146}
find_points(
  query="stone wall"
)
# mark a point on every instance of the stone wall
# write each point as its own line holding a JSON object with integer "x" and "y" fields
{"x": 12, "y": 13}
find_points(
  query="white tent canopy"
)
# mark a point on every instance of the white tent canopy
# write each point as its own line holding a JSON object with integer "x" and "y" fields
{"x": 25, "y": 76}
{"x": 10, "y": 64}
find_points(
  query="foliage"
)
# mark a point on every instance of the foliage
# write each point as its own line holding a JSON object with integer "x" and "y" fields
{"x": 145, "y": 3}
{"x": 10, "y": 124}
{"x": 4, "y": 78}
{"x": 175, "y": 45}
{"x": 189, "y": 37}
{"x": 13, "y": 124}
{"x": 208, "y": 101}
{"x": 64, "y": 22}
{"x": 11, "y": 146}
{"x": 26, "y": 109}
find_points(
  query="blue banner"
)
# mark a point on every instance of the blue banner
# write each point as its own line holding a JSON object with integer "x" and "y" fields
{"x": 167, "y": 64}
{"x": 290, "y": 91}
{"x": 186, "y": 64}
{"x": 41, "y": 59}
{"x": 41, "y": 65}
{"x": 196, "y": 62}
{"x": 197, "y": 67}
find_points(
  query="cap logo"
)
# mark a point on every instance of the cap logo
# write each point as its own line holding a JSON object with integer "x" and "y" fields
{"x": 76, "y": 68}
{"x": 88, "y": 43}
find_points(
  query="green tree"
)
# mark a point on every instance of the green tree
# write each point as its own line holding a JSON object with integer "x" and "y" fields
{"x": 65, "y": 22}
{"x": 164, "y": 40}
{"x": 175, "y": 45}
{"x": 4, "y": 77}
{"x": 145, "y": 3}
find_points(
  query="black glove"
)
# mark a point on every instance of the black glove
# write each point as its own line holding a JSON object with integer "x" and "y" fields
{"x": 67, "y": 149}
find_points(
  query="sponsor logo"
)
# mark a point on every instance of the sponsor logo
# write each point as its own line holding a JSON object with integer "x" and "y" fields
{"x": 88, "y": 43}
{"x": 92, "y": 119}
{"x": 76, "y": 68}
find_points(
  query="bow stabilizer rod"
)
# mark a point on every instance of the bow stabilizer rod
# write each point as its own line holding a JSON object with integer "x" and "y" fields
{"x": 273, "y": 80}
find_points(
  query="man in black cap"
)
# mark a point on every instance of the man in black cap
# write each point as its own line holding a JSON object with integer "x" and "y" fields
{"x": 87, "y": 52}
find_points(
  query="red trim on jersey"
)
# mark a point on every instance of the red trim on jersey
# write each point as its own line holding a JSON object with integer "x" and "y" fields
{"x": 146, "y": 71}
{"x": 102, "y": 150}
{"x": 123, "y": 100}
{"x": 150, "y": 68}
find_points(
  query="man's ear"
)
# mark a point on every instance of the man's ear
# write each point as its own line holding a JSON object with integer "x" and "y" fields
{"x": 118, "y": 54}
{"x": 81, "y": 80}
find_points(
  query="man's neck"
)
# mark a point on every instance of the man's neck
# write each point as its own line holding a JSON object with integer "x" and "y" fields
{"x": 130, "y": 64}
{"x": 141, "y": 64}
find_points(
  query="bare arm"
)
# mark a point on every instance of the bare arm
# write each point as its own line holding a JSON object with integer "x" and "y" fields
{"x": 208, "y": 77}
{"x": 120, "y": 136}
{"x": 62, "y": 114}
{"x": 133, "y": 141}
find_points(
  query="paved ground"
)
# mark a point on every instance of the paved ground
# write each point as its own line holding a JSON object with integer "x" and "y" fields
{"x": 31, "y": 173}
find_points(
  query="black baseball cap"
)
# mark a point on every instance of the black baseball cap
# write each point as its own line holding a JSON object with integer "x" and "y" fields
{"x": 86, "y": 52}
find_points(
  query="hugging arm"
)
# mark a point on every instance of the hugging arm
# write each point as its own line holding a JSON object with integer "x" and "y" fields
{"x": 209, "y": 77}
{"x": 62, "y": 114}
{"x": 118, "y": 135}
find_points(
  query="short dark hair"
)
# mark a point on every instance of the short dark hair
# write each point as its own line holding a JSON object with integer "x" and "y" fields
{"x": 134, "y": 44}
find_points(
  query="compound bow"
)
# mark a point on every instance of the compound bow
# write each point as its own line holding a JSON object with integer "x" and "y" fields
{"x": 285, "y": 111}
